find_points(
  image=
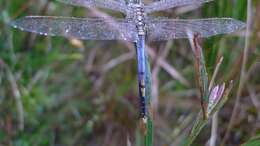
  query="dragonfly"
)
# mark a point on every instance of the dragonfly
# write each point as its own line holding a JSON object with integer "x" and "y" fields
{"x": 136, "y": 27}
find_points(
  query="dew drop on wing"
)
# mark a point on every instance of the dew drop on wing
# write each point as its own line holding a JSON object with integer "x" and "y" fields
{"x": 124, "y": 38}
{"x": 15, "y": 26}
{"x": 67, "y": 29}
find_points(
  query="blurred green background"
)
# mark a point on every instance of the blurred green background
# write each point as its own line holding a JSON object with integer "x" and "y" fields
{"x": 63, "y": 92}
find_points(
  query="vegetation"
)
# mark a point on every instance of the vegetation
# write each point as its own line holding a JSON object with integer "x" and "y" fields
{"x": 58, "y": 91}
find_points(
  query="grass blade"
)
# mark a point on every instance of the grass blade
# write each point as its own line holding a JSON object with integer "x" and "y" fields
{"x": 149, "y": 126}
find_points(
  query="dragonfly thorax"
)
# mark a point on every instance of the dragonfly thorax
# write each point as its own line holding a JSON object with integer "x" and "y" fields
{"x": 137, "y": 15}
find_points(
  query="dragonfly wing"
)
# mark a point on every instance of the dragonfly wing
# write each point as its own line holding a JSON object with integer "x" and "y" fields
{"x": 86, "y": 29}
{"x": 167, "y": 29}
{"x": 108, "y": 4}
{"x": 167, "y": 4}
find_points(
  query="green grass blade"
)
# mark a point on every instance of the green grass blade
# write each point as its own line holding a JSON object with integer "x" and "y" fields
{"x": 255, "y": 141}
{"x": 149, "y": 126}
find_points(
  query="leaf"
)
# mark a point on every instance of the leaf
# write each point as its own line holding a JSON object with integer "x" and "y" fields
{"x": 255, "y": 141}
{"x": 201, "y": 122}
{"x": 201, "y": 71}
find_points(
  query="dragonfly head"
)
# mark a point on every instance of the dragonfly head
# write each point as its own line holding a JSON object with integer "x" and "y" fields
{"x": 135, "y": 2}
{"x": 134, "y": 10}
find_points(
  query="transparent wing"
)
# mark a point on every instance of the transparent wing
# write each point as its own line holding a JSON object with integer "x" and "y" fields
{"x": 167, "y": 29}
{"x": 87, "y": 29}
{"x": 108, "y": 4}
{"x": 167, "y": 4}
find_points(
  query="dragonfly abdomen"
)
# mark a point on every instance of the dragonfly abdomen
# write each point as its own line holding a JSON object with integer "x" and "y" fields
{"x": 142, "y": 98}
{"x": 140, "y": 48}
